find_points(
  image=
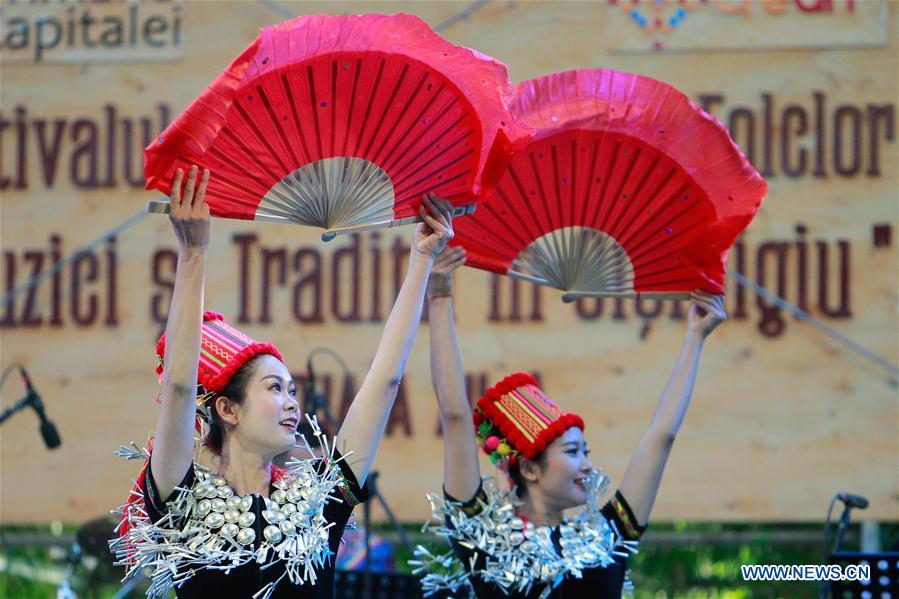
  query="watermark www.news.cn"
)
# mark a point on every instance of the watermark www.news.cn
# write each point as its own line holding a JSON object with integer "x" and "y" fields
{"x": 807, "y": 572}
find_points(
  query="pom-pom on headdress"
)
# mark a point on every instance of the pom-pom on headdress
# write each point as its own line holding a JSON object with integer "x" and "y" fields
{"x": 223, "y": 351}
{"x": 516, "y": 419}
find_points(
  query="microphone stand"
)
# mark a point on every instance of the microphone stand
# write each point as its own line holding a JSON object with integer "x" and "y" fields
{"x": 824, "y": 586}
{"x": 16, "y": 407}
{"x": 65, "y": 590}
{"x": 841, "y": 528}
{"x": 373, "y": 494}
{"x": 33, "y": 400}
{"x": 313, "y": 403}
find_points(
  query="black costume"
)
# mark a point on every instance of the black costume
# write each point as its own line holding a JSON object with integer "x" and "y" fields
{"x": 206, "y": 541}
{"x": 597, "y": 582}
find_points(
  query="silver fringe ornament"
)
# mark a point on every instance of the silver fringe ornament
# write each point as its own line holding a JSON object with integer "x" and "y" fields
{"x": 517, "y": 555}
{"x": 208, "y": 526}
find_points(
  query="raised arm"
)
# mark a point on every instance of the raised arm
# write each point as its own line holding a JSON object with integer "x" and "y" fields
{"x": 461, "y": 475}
{"x": 364, "y": 424}
{"x": 173, "y": 444}
{"x": 640, "y": 483}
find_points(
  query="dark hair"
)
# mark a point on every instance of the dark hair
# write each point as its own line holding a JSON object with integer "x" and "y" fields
{"x": 518, "y": 480}
{"x": 236, "y": 391}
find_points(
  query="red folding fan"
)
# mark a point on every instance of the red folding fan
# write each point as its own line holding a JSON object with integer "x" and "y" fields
{"x": 627, "y": 188}
{"x": 344, "y": 122}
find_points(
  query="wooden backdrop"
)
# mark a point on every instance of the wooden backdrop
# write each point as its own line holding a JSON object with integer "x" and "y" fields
{"x": 783, "y": 416}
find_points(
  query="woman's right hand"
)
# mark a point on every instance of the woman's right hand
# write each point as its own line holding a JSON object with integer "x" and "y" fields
{"x": 190, "y": 213}
{"x": 441, "y": 281}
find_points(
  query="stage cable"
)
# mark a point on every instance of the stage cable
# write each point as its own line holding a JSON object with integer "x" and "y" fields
{"x": 801, "y": 314}
{"x": 38, "y": 278}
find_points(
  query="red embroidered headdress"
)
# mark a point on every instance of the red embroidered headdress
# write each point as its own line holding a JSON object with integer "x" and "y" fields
{"x": 223, "y": 351}
{"x": 516, "y": 418}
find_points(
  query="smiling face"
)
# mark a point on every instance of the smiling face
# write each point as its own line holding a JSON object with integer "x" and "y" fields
{"x": 558, "y": 480}
{"x": 265, "y": 422}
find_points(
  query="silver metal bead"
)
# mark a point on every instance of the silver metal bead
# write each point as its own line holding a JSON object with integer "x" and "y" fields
{"x": 528, "y": 547}
{"x": 246, "y": 519}
{"x": 218, "y": 505}
{"x": 270, "y": 516}
{"x": 246, "y": 535}
{"x": 516, "y": 538}
{"x": 287, "y": 528}
{"x": 233, "y": 502}
{"x": 279, "y": 484}
{"x": 204, "y": 506}
{"x": 288, "y": 509}
{"x": 298, "y": 519}
{"x": 246, "y": 503}
{"x": 516, "y": 523}
{"x": 306, "y": 508}
{"x": 293, "y": 496}
{"x": 230, "y": 529}
{"x": 225, "y": 492}
{"x": 214, "y": 520}
{"x": 278, "y": 496}
{"x": 199, "y": 490}
{"x": 232, "y": 516}
{"x": 210, "y": 492}
{"x": 273, "y": 534}
{"x": 503, "y": 530}
{"x": 218, "y": 481}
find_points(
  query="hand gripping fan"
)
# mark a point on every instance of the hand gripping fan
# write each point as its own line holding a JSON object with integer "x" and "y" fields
{"x": 627, "y": 188}
{"x": 344, "y": 122}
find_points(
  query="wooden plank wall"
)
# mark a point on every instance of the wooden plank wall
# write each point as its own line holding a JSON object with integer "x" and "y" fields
{"x": 783, "y": 417}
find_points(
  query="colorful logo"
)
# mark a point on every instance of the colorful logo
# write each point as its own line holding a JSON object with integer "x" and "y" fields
{"x": 656, "y": 16}
{"x": 664, "y": 16}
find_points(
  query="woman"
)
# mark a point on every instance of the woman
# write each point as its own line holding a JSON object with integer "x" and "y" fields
{"x": 523, "y": 546}
{"x": 239, "y": 527}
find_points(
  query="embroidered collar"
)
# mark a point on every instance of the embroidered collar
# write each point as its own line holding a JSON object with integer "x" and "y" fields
{"x": 518, "y": 554}
{"x": 208, "y": 526}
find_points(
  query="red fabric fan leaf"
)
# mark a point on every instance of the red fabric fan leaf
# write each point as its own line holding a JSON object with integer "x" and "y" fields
{"x": 402, "y": 110}
{"x": 627, "y": 188}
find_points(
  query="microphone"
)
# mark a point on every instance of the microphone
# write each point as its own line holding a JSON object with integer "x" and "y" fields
{"x": 309, "y": 398}
{"x": 856, "y": 501}
{"x": 48, "y": 429}
{"x": 312, "y": 403}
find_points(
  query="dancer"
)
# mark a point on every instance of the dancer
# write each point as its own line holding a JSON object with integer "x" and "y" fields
{"x": 518, "y": 543}
{"x": 237, "y": 527}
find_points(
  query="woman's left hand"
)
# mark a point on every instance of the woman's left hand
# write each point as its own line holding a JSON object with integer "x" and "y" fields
{"x": 706, "y": 313}
{"x": 432, "y": 235}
